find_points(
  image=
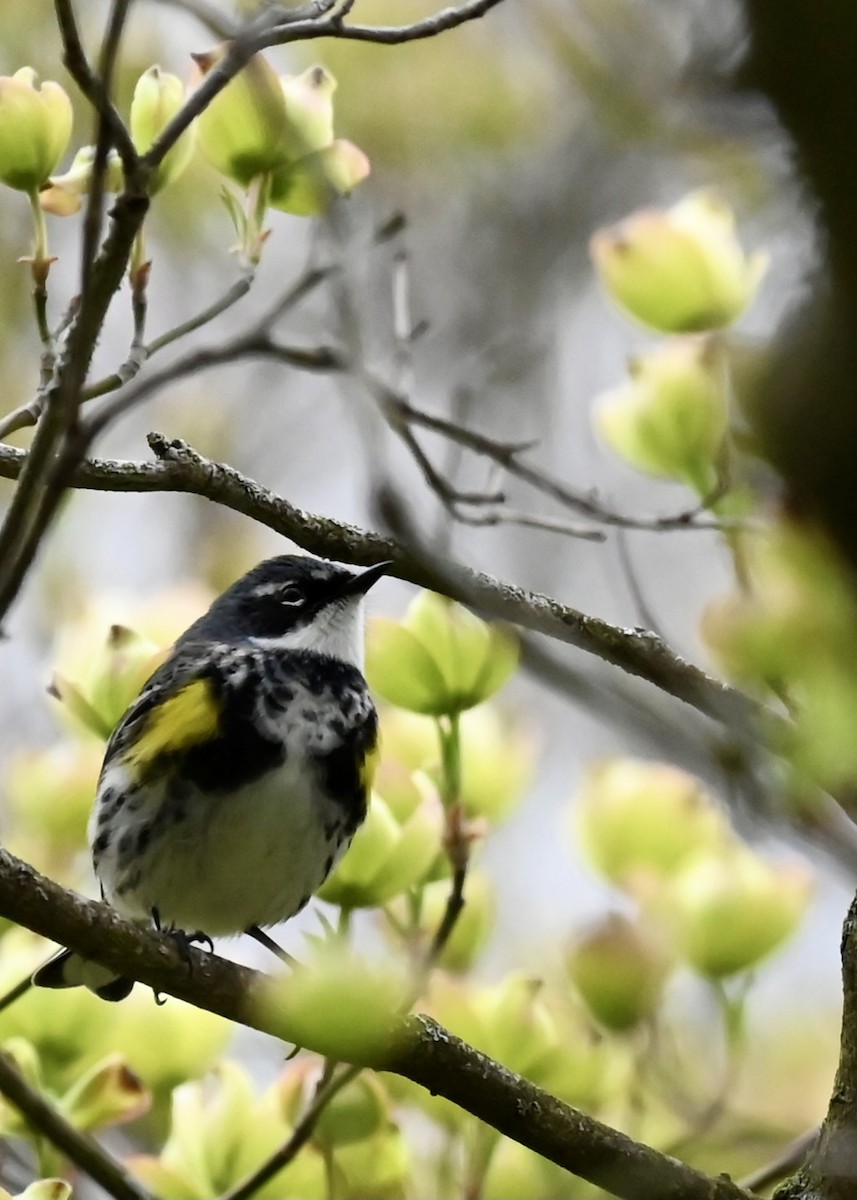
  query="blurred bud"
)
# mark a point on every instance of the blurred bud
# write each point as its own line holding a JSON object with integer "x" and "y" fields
{"x": 390, "y": 853}
{"x": 63, "y": 195}
{"x": 379, "y": 1167}
{"x": 114, "y": 679}
{"x": 619, "y": 970}
{"x": 306, "y": 1006}
{"x": 50, "y": 792}
{"x": 174, "y": 1043}
{"x": 244, "y": 132}
{"x": 440, "y": 660}
{"x": 109, "y": 1093}
{"x": 43, "y": 1189}
{"x": 35, "y": 128}
{"x": 730, "y": 910}
{"x": 470, "y": 932}
{"x": 60, "y": 1045}
{"x": 679, "y": 271}
{"x": 793, "y": 629}
{"x": 497, "y": 758}
{"x": 158, "y": 96}
{"x": 670, "y": 418}
{"x": 309, "y": 108}
{"x": 638, "y": 818}
{"x": 307, "y": 187}
{"x": 360, "y": 1110}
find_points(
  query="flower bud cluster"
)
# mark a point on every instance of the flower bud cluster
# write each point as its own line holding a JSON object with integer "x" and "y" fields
{"x": 682, "y": 272}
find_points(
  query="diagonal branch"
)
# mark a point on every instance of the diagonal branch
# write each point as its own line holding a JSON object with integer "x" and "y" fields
{"x": 181, "y": 469}
{"x": 418, "y": 1048}
{"x": 78, "y": 1147}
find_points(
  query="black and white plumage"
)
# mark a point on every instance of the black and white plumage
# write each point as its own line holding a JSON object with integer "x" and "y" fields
{"x": 240, "y": 774}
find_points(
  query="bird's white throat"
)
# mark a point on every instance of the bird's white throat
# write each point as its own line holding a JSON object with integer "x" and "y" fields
{"x": 336, "y": 630}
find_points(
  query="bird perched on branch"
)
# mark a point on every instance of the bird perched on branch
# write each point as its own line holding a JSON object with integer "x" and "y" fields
{"x": 240, "y": 774}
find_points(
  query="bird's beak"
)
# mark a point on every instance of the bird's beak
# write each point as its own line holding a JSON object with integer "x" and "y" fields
{"x": 359, "y": 585}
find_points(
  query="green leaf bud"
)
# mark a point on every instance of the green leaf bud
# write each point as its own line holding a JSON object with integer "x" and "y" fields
{"x": 390, "y": 852}
{"x": 671, "y": 417}
{"x": 679, "y": 271}
{"x": 441, "y": 660}
{"x": 109, "y": 1093}
{"x": 619, "y": 970}
{"x": 62, "y": 195}
{"x": 640, "y": 819}
{"x": 244, "y": 131}
{"x": 158, "y": 96}
{"x": 43, "y": 1189}
{"x": 731, "y": 910}
{"x": 35, "y": 128}
{"x": 306, "y": 187}
{"x": 306, "y": 1006}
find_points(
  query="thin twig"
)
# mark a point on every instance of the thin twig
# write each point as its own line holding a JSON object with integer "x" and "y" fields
{"x": 81, "y": 1149}
{"x": 301, "y": 1134}
{"x": 785, "y": 1164}
{"x": 129, "y": 369}
{"x": 385, "y": 35}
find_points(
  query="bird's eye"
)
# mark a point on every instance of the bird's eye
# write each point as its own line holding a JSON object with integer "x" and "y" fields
{"x": 291, "y": 595}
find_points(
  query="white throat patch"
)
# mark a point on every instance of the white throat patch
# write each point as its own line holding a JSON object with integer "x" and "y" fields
{"x": 337, "y": 630}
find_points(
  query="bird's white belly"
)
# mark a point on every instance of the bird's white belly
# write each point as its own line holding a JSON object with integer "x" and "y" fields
{"x": 249, "y": 857}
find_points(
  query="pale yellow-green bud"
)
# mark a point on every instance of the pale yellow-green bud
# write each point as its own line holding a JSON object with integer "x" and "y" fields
{"x": 62, "y": 195}
{"x": 306, "y": 187}
{"x": 309, "y": 109}
{"x": 357, "y": 1112}
{"x": 391, "y": 851}
{"x": 671, "y": 416}
{"x": 244, "y": 132}
{"x": 619, "y": 970}
{"x": 109, "y": 1093}
{"x": 441, "y": 660}
{"x": 42, "y": 1189}
{"x": 682, "y": 270}
{"x": 35, "y": 128}
{"x": 306, "y": 1006}
{"x": 639, "y": 819}
{"x": 158, "y": 96}
{"x": 731, "y": 910}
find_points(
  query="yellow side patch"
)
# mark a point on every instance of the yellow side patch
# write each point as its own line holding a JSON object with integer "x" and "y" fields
{"x": 369, "y": 766}
{"x": 189, "y": 717}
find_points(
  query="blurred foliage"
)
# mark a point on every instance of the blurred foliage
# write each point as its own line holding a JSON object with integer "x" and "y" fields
{"x": 645, "y": 1015}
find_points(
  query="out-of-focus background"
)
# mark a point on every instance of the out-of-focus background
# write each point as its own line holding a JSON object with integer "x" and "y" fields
{"x": 505, "y": 144}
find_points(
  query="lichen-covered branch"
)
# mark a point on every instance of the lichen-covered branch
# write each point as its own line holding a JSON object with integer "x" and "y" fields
{"x": 180, "y": 469}
{"x": 418, "y": 1048}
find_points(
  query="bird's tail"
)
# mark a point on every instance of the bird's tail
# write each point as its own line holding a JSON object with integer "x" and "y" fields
{"x": 67, "y": 969}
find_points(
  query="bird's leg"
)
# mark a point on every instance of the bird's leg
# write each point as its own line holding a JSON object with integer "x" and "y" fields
{"x": 183, "y": 942}
{"x": 268, "y": 942}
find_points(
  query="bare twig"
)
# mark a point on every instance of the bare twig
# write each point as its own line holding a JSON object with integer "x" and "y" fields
{"x": 793, "y": 1157}
{"x": 81, "y": 1149}
{"x": 389, "y": 35}
{"x": 301, "y": 1134}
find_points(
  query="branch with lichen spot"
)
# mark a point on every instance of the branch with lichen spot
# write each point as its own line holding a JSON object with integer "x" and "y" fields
{"x": 418, "y": 1048}
{"x": 178, "y": 468}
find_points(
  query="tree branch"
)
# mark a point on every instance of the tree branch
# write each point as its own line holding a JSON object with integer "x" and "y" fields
{"x": 419, "y": 1048}
{"x": 78, "y": 1147}
{"x": 181, "y": 469}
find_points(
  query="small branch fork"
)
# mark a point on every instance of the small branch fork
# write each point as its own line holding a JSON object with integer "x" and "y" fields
{"x": 419, "y": 1048}
{"x": 58, "y": 445}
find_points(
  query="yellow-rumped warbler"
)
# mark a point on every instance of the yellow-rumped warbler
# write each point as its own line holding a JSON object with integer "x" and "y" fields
{"x": 239, "y": 775}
